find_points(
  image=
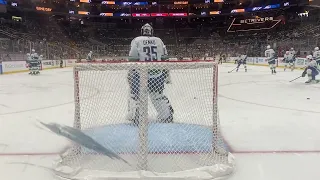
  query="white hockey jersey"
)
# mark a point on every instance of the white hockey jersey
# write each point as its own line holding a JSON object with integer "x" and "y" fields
{"x": 312, "y": 63}
{"x": 292, "y": 52}
{"x": 270, "y": 54}
{"x": 89, "y": 56}
{"x": 34, "y": 56}
{"x": 145, "y": 48}
{"x": 243, "y": 57}
{"x": 289, "y": 56}
{"x": 316, "y": 55}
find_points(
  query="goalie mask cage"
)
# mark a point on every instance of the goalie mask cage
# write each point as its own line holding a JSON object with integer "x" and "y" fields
{"x": 190, "y": 147}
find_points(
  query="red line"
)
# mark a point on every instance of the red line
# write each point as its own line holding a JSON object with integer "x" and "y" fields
{"x": 30, "y": 154}
{"x": 278, "y": 152}
{"x": 233, "y": 152}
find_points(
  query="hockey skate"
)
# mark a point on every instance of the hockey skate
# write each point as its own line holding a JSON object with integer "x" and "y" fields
{"x": 310, "y": 81}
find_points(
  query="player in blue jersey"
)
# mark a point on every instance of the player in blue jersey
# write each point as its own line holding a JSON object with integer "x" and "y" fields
{"x": 242, "y": 60}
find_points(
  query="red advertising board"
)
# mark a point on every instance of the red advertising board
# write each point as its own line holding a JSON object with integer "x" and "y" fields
{"x": 140, "y": 14}
{"x": 178, "y": 14}
{"x": 159, "y": 14}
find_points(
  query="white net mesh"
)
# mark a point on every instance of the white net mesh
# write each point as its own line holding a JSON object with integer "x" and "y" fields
{"x": 159, "y": 119}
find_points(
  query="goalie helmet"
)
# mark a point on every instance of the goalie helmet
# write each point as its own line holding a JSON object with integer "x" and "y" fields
{"x": 291, "y": 49}
{"x": 146, "y": 30}
{"x": 309, "y": 58}
{"x": 268, "y": 47}
{"x": 316, "y": 48}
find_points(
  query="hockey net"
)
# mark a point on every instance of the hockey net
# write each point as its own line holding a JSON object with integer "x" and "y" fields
{"x": 190, "y": 147}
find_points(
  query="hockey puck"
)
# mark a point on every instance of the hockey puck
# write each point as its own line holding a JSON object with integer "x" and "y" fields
{"x": 308, "y": 98}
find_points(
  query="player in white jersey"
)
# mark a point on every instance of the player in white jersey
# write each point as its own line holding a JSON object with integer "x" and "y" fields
{"x": 292, "y": 58}
{"x": 311, "y": 70}
{"x": 90, "y": 56}
{"x": 288, "y": 60}
{"x": 271, "y": 59}
{"x": 316, "y": 56}
{"x": 34, "y": 62}
{"x": 242, "y": 60}
{"x": 149, "y": 48}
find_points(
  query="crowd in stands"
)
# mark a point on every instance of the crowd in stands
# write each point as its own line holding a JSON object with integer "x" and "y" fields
{"x": 56, "y": 37}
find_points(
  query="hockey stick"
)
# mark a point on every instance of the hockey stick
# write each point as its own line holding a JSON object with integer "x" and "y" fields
{"x": 232, "y": 70}
{"x": 295, "y": 79}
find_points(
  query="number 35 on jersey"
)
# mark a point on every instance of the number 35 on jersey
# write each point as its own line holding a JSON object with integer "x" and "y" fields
{"x": 145, "y": 48}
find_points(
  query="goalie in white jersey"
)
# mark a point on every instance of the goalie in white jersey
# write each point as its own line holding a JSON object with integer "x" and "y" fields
{"x": 149, "y": 48}
{"x": 316, "y": 56}
{"x": 311, "y": 70}
{"x": 271, "y": 59}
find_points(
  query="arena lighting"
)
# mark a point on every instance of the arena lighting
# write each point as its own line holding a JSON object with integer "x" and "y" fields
{"x": 38, "y": 8}
{"x": 214, "y": 12}
{"x": 84, "y": 12}
{"x": 85, "y": 1}
{"x": 180, "y": 2}
{"x": 108, "y": 2}
{"x": 106, "y": 14}
{"x": 237, "y": 10}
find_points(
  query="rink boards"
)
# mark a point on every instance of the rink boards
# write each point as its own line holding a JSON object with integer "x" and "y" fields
{"x": 8, "y": 67}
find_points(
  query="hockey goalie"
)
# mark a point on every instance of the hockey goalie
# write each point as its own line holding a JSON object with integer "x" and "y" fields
{"x": 149, "y": 48}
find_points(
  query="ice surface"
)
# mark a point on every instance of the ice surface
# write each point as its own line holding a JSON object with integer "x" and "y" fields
{"x": 271, "y": 126}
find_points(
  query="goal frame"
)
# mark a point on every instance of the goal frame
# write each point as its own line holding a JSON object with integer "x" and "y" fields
{"x": 143, "y": 125}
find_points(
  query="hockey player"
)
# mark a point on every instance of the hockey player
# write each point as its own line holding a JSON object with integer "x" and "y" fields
{"x": 316, "y": 56}
{"x": 34, "y": 61}
{"x": 311, "y": 70}
{"x": 271, "y": 59}
{"x": 292, "y": 60}
{"x": 149, "y": 48}
{"x": 90, "y": 56}
{"x": 242, "y": 60}
{"x": 289, "y": 60}
{"x": 28, "y": 62}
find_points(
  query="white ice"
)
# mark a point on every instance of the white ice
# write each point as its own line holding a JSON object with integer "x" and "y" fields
{"x": 272, "y": 126}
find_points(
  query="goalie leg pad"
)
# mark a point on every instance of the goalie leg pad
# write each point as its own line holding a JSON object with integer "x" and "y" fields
{"x": 134, "y": 83}
{"x": 162, "y": 105}
{"x": 133, "y": 110}
{"x": 158, "y": 99}
{"x": 133, "y": 100}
